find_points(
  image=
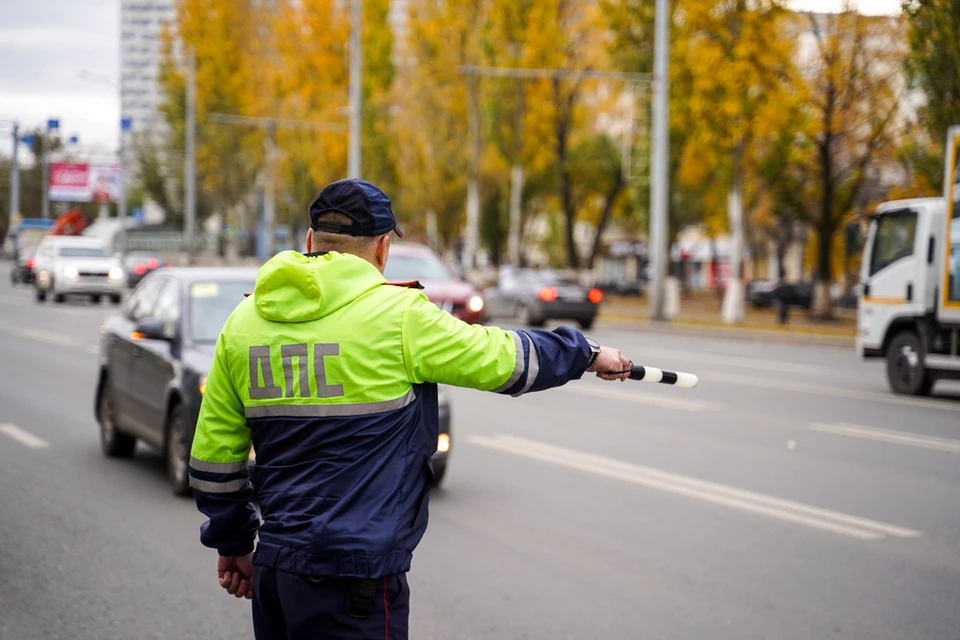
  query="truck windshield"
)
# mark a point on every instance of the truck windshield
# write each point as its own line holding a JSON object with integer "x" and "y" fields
{"x": 893, "y": 239}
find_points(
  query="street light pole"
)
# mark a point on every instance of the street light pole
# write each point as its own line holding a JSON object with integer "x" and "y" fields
{"x": 15, "y": 173}
{"x": 659, "y": 183}
{"x": 45, "y": 180}
{"x": 356, "y": 90}
{"x": 190, "y": 176}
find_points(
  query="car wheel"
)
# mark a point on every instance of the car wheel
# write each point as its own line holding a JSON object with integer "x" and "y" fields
{"x": 57, "y": 297}
{"x": 906, "y": 372}
{"x": 115, "y": 300}
{"x": 113, "y": 442}
{"x": 177, "y": 452}
{"x": 95, "y": 299}
{"x": 41, "y": 295}
{"x": 586, "y": 324}
{"x": 439, "y": 470}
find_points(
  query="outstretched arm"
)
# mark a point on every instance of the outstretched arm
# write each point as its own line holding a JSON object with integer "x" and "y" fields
{"x": 440, "y": 348}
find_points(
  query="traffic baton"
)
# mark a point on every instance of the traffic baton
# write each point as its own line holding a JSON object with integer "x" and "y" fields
{"x": 652, "y": 374}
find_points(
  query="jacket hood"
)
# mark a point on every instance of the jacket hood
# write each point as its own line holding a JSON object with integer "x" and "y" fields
{"x": 293, "y": 287}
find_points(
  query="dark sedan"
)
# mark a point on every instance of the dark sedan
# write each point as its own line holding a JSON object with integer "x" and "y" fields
{"x": 154, "y": 359}
{"x": 22, "y": 270}
{"x": 138, "y": 264}
{"x": 766, "y": 294}
{"x": 535, "y": 297}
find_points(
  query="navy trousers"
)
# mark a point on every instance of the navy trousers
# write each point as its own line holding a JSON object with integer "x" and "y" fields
{"x": 287, "y": 606}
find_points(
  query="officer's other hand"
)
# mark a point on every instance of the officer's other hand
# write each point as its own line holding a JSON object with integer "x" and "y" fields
{"x": 235, "y": 574}
{"x": 611, "y": 365}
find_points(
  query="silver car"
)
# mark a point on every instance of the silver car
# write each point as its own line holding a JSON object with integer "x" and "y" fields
{"x": 76, "y": 265}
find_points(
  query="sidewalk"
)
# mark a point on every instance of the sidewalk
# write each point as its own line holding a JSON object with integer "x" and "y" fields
{"x": 700, "y": 316}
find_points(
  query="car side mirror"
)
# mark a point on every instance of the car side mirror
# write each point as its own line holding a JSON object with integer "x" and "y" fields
{"x": 151, "y": 330}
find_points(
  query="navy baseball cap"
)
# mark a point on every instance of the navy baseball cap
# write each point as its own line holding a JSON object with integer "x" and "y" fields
{"x": 364, "y": 203}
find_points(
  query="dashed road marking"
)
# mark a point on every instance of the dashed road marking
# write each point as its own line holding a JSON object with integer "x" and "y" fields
{"x": 23, "y": 436}
{"x": 889, "y": 436}
{"x": 640, "y": 397}
{"x": 712, "y": 492}
{"x": 823, "y": 390}
{"x": 736, "y": 361}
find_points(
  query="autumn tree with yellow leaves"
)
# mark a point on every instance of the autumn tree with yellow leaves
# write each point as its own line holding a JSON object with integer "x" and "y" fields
{"x": 855, "y": 86}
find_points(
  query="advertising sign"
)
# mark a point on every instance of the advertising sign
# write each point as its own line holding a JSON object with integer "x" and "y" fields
{"x": 84, "y": 182}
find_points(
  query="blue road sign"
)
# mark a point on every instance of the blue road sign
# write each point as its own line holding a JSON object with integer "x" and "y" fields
{"x": 126, "y": 124}
{"x": 74, "y": 139}
{"x": 27, "y": 139}
{"x": 137, "y": 215}
{"x": 53, "y": 123}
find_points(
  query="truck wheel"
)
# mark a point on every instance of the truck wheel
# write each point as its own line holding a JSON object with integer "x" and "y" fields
{"x": 906, "y": 372}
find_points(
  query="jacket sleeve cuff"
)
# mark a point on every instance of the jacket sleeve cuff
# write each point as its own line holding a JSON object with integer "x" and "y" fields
{"x": 235, "y": 552}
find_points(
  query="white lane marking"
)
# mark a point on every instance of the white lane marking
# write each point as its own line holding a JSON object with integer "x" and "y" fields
{"x": 741, "y": 499}
{"x": 889, "y": 436}
{"x": 22, "y": 436}
{"x": 654, "y": 399}
{"x": 735, "y": 361}
{"x": 50, "y": 337}
{"x": 14, "y": 302}
{"x": 837, "y": 392}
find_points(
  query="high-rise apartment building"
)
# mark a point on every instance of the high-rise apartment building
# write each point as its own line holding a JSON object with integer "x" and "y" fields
{"x": 141, "y": 24}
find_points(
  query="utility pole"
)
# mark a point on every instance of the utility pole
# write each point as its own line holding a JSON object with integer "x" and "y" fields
{"x": 122, "y": 204}
{"x": 660, "y": 178}
{"x": 356, "y": 90}
{"x": 15, "y": 174}
{"x": 52, "y": 125}
{"x": 269, "y": 195}
{"x": 190, "y": 169}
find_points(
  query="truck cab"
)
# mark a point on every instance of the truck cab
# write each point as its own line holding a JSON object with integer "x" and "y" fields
{"x": 909, "y": 311}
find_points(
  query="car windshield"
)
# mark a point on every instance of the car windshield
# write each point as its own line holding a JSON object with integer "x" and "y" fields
{"x": 211, "y": 303}
{"x": 82, "y": 252}
{"x": 404, "y": 268}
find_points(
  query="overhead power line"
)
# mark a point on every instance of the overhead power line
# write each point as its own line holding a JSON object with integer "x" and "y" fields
{"x": 518, "y": 72}
{"x": 280, "y": 123}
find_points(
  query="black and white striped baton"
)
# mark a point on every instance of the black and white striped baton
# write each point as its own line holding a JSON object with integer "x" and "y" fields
{"x": 652, "y": 374}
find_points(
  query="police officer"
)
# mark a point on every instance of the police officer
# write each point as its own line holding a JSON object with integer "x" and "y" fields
{"x": 330, "y": 373}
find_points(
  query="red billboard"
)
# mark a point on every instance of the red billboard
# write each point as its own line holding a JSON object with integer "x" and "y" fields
{"x": 84, "y": 182}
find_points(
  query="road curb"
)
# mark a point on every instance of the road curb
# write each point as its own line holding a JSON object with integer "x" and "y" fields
{"x": 732, "y": 333}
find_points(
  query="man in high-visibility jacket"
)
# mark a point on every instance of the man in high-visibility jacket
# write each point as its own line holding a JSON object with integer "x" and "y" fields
{"x": 330, "y": 373}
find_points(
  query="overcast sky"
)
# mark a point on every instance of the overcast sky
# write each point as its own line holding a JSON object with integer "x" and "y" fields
{"x": 46, "y": 44}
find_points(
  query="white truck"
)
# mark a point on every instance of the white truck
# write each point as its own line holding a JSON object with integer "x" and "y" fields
{"x": 909, "y": 307}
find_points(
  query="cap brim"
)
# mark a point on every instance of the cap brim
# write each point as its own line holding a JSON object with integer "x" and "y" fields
{"x": 397, "y": 231}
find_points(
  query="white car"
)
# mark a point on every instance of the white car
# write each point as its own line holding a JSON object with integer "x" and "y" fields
{"x": 76, "y": 265}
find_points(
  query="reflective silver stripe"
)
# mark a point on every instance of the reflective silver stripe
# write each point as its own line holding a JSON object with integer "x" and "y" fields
{"x": 231, "y": 486}
{"x": 518, "y": 368}
{"x": 218, "y": 467}
{"x": 533, "y": 368}
{"x": 327, "y": 410}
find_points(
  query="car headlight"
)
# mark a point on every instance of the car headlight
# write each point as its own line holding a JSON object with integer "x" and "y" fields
{"x": 115, "y": 273}
{"x": 475, "y": 304}
{"x": 203, "y": 384}
{"x": 70, "y": 272}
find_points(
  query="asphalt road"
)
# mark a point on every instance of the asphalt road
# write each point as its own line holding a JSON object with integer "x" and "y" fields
{"x": 789, "y": 496}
